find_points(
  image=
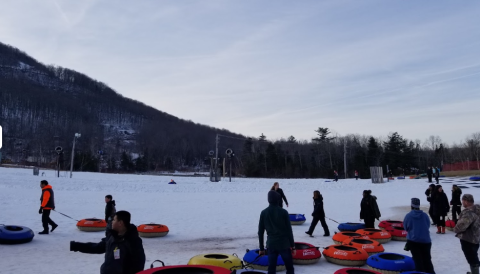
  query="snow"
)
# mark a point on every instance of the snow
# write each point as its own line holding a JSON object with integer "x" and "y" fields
{"x": 203, "y": 216}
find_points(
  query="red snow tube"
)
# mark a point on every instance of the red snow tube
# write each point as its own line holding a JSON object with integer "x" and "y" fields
{"x": 354, "y": 270}
{"x": 186, "y": 269}
{"x": 398, "y": 233}
{"x": 449, "y": 224}
{"x": 306, "y": 254}
{"x": 388, "y": 223}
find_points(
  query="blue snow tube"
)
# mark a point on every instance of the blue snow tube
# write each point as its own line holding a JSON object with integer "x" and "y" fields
{"x": 390, "y": 262}
{"x": 297, "y": 219}
{"x": 14, "y": 234}
{"x": 414, "y": 272}
{"x": 350, "y": 226}
{"x": 475, "y": 178}
{"x": 256, "y": 261}
{"x": 401, "y": 177}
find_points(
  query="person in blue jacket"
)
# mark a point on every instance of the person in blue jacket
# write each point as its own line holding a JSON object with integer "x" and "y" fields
{"x": 417, "y": 224}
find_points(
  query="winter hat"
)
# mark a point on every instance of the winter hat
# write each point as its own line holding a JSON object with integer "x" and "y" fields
{"x": 468, "y": 198}
{"x": 416, "y": 203}
{"x": 432, "y": 185}
{"x": 273, "y": 197}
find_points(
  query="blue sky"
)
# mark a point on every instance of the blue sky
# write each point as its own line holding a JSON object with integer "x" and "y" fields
{"x": 279, "y": 68}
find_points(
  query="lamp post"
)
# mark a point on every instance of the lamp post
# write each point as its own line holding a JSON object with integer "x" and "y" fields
{"x": 77, "y": 135}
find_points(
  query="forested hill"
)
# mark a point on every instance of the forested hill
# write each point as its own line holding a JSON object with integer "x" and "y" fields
{"x": 43, "y": 106}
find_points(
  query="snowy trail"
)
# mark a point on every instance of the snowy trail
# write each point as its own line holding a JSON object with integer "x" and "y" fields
{"x": 203, "y": 217}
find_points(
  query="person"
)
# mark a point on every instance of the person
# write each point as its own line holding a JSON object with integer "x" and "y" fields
{"x": 123, "y": 247}
{"x": 467, "y": 230}
{"x": 437, "y": 175}
{"x": 276, "y": 221}
{"x": 440, "y": 208}
{"x": 110, "y": 211}
{"x": 369, "y": 209}
{"x": 47, "y": 203}
{"x": 335, "y": 174}
{"x": 455, "y": 202}
{"x": 356, "y": 175}
{"x": 429, "y": 174}
{"x": 318, "y": 214}
{"x": 429, "y": 193}
{"x": 276, "y": 187}
{"x": 417, "y": 225}
{"x": 172, "y": 182}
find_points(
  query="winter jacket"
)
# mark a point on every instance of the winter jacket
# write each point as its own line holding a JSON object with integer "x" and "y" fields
{"x": 369, "y": 207}
{"x": 47, "y": 200}
{"x": 128, "y": 248}
{"x": 429, "y": 172}
{"x": 440, "y": 204}
{"x": 417, "y": 225}
{"x": 318, "y": 208}
{"x": 456, "y": 197}
{"x": 468, "y": 225}
{"x": 283, "y": 198}
{"x": 429, "y": 195}
{"x": 276, "y": 221}
{"x": 437, "y": 173}
{"x": 110, "y": 210}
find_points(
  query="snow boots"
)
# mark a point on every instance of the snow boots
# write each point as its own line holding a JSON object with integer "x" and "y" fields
{"x": 440, "y": 230}
{"x": 473, "y": 269}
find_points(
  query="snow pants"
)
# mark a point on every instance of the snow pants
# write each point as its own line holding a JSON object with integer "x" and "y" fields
{"x": 421, "y": 256}
{"x": 471, "y": 252}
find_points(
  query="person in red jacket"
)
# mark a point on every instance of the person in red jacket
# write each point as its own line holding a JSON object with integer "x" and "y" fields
{"x": 47, "y": 203}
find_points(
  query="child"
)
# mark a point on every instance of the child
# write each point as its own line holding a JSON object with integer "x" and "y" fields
{"x": 110, "y": 210}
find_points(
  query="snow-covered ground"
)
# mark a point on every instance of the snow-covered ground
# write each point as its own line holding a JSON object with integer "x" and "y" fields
{"x": 203, "y": 217}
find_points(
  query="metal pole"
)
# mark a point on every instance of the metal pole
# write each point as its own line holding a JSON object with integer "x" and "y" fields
{"x": 73, "y": 153}
{"x": 216, "y": 157}
{"x": 345, "y": 157}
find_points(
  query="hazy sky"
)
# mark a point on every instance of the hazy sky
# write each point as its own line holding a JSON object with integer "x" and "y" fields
{"x": 278, "y": 67}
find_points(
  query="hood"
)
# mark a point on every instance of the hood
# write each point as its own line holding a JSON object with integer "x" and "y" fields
{"x": 319, "y": 198}
{"x": 47, "y": 187}
{"x": 112, "y": 202}
{"x": 373, "y": 196}
{"x": 417, "y": 214}
{"x": 273, "y": 197}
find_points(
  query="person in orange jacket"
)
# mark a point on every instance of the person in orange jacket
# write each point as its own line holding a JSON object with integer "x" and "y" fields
{"x": 47, "y": 203}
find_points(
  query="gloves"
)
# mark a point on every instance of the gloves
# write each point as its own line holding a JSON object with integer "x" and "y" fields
{"x": 73, "y": 246}
{"x": 40, "y": 211}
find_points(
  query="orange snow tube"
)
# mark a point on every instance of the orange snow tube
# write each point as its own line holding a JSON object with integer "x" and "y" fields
{"x": 152, "y": 230}
{"x": 92, "y": 225}
{"x": 370, "y": 246}
{"x": 378, "y": 235}
{"x": 340, "y": 237}
{"x": 345, "y": 255}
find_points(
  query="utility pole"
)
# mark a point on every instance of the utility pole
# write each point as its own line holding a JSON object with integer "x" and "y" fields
{"x": 77, "y": 135}
{"x": 217, "y": 140}
{"x": 345, "y": 156}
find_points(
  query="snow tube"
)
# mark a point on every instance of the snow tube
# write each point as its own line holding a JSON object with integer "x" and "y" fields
{"x": 92, "y": 225}
{"x": 423, "y": 175}
{"x": 186, "y": 269}
{"x": 345, "y": 255}
{"x": 297, "y": 219}
{"x": 230, "y": 262}
{"x": 15, "y": 234}
{"x": 414, "y": 272}
{"x": 340, "y": 237}
{"x": 350, "y": 226}
{"x": 401, "y": 177}
{"x": 372, "y": 247}
{"x": 391, "y": 178}
{"x": 355, "y": 270}
{"x": 475, "y": 178}
{"x": 248, "y": 271}
{"x": 389, "y": 223}
{"x": 398, "y": 233}
{"x": 172, "y": 183}
{"x": 378, "y": 235}
{"x": 390, "y": 263}
{"x": 306, "y": 254}
{"x": 449, "y": 224}
{"x": 152, "y": 230}
{"x": 255, "y": 261}
{"x": 413, "y": 177}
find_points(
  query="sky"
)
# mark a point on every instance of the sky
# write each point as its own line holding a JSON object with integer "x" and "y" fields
{"x": 279, "y": 68}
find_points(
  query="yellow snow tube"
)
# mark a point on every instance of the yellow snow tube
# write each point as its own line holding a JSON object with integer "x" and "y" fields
{"x": 226, "y": 261}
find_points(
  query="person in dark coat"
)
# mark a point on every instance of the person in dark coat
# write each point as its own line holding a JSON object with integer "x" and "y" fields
{"x": 123, "y": 247}
{"x": 369, "y": 209}
{"x": 335, "y": 175}
{"x": 429, "y": 174}
{"x": 429, "y": 193}
{"x": 276, "y": 221}
{"x": 318, "y": 214}
{"x": 436, "y": 171}
{"x": 440, "y": 208}
{"x": 455, "y": 202}
{"x": 47, "y": 204}
{"x": 110, "y": 211}
{"x": 276, "y": 187}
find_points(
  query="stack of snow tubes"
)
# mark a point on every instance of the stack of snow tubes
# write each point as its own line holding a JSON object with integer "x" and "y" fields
{"x": 355, "y": 270}
{"x": 15, "y": 234}
{"x": 390, "y": 263}
{"x": 297, "y": 219}
{"x": 252, "y": 259}
{"x": 351, "y": 226}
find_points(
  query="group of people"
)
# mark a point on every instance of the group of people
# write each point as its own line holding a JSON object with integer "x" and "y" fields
{"x": 440, "y": 206}
{"x": 433, "y": 172}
